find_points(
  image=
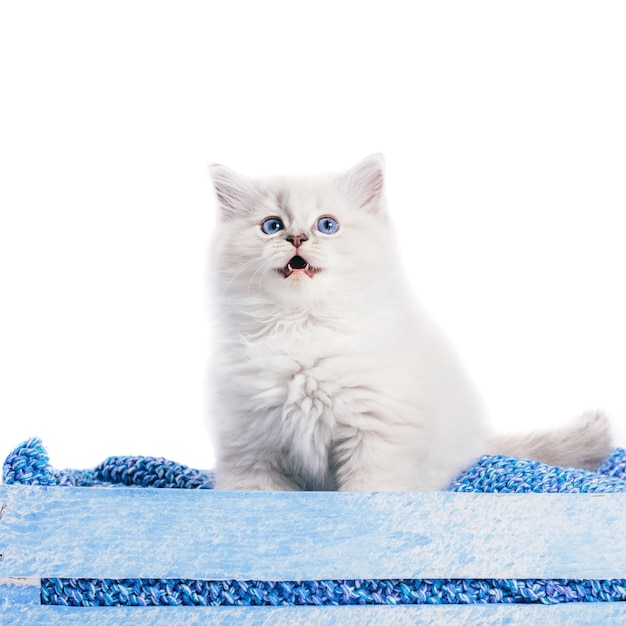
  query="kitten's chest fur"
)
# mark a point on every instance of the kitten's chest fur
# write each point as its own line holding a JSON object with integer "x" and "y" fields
{"x": 304, "y": 389}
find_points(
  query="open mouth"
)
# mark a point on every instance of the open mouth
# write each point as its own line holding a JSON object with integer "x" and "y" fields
{"x": 298, "y": 265}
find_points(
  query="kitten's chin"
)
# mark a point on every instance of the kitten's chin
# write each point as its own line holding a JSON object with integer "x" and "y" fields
{"x": 298, "y": 267}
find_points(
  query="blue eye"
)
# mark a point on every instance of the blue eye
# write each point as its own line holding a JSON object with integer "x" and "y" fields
{"x": 327, "y": 225}
{"x": 271, "y": 226}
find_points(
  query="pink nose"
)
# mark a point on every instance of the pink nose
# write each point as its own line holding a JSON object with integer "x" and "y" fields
{"x": 296, "y": 240}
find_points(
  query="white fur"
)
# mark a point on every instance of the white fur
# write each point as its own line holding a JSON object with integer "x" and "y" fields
{"x": 339, "y": 380}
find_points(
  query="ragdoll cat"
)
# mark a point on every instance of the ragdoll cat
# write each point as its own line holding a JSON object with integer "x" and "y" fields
{"x": 329, "y": 376}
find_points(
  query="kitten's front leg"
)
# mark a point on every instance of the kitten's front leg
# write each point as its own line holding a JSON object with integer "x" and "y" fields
{"x": 247, "y": 460}
{"x": 369, "y": 461}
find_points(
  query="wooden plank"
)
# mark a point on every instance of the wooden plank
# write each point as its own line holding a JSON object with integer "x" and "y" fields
{"x": 20, "y": 591}
{"x": 589, "y": 614}
{"x": 115, "y": 533}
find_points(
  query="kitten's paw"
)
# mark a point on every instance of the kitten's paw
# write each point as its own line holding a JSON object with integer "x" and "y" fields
{"x": 380, "y": 483}
{"x": 258, "y": 482}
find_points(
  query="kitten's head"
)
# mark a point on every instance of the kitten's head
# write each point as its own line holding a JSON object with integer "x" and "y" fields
{"x": 296, "y": 241}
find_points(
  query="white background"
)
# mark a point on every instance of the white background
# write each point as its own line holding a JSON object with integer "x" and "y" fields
{"x": 504, "y": 128}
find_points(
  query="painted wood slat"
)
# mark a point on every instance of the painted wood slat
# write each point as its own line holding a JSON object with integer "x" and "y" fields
{"x": 161, "y": 533}
{"x": 19, "y": 591}
{"x": 591, "y": 614}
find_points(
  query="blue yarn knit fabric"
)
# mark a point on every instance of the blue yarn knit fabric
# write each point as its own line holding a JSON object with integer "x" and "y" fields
{"x": 29, "y": 464}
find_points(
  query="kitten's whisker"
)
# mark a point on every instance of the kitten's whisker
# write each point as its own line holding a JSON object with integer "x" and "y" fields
{"x": 268, "y": 265}
{"x": 242, "y": 269}
{"x": 232, "y": 279}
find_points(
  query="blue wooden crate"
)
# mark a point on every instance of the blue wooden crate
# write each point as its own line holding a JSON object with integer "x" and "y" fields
{"x": 118, "y": 533}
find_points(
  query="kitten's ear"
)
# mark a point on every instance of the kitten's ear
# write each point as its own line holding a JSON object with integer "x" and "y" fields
{"x": 235, "y": 193}
{"x": 364, "y": 184}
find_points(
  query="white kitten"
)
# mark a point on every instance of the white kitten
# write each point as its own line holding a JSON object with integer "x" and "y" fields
{"x": 329, "y": 375}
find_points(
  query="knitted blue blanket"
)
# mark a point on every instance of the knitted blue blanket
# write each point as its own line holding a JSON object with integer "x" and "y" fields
{"x": 29, "y": 464}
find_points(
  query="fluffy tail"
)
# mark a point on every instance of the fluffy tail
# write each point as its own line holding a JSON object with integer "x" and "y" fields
{"x": 585, "y": 443}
